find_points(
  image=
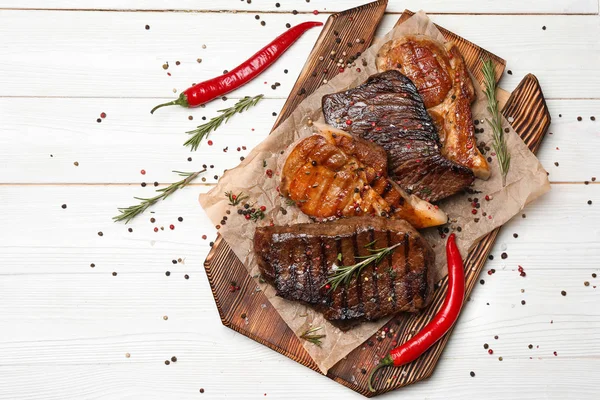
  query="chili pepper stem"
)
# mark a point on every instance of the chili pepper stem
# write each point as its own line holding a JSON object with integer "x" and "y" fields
{"x": 385, "y": 362}
{"x": 180, "y": 101}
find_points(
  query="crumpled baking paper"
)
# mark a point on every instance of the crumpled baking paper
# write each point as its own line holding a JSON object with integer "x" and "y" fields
{"x": 526, "y": 181}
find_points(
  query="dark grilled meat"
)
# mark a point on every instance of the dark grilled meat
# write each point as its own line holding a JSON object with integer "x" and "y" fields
{"x": 335, "y": 174}
{"x": 297, "y": 260}
{"x": 442, "y": 79}
{"x": 388, "y": 110}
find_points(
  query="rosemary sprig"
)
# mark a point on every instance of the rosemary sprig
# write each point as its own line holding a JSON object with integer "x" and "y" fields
{"x": 256, "y": 215}
{"x": 499, "y": 143}
{"x": 235, "y": 199}
{"x": 204, "y": 130}
{"x": 128, "y": 213}
{"x": 344, "y": 274}
{"x": 310, "y": 336}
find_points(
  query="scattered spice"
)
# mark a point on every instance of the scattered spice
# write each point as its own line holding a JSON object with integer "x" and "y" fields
{"x": 235, "y": 199}
{"x": 563, "y": 293}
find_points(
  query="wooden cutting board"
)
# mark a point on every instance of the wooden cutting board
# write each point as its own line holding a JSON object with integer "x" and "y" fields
{"x": 248, "y": 311}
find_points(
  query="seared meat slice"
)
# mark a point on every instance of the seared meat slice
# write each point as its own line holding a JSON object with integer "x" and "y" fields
{"x": 298, "y": 260}
{"x": 441, "y": 77}
{"x": 388, "y": 110}
{"x": 335, "y": 174}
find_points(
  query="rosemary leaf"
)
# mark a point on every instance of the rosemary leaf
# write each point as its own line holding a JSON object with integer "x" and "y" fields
{"x": 128, "y": 213}
{"x": 235, "y": 199}
{"x": 310, "y": 336}
{"x": 202, "y": 131}
{"x": 499, "y": 141}
{"x": 343, "y": 274}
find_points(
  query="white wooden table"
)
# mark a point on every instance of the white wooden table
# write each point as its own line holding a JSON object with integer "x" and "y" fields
{"x": 66, "y": 328}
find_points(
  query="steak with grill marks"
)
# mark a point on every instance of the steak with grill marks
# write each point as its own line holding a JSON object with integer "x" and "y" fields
{"x": 388, "y": 110}
{"x": 298, "y": 260}
{"x": 440, "y": 74}
{"x": 333, "y": 174}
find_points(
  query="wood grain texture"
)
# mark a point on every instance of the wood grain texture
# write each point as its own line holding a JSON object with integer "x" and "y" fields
{"x": 111, "y": 55}
{"x": 471, "y": 52}
{"x": 364, "y": 19}
{"x": 526, "y": 103}
{"x": 438, "y": 6}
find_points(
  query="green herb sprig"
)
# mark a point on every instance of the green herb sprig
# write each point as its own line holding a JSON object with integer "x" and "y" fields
{"x": 235, "y": 199}
{"x": 310, "y": 336}
{"x": 204, "y": 130}
{"x": 344, "y": 274}
{"x": 128, "y": 213}
{"x": 499, "y": 141}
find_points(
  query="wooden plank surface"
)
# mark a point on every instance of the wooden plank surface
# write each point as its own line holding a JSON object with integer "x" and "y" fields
{"x": 66, "y": 326}
{"x": 61, "y": 316}
{"x": 65, "y": 64}
{"x": 431, "y": 6}
{"x": 528, "y": 111}
{"x": 45, "y": 126}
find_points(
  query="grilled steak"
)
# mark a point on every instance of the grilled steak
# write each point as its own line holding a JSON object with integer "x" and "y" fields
{"x": 335, "y": 174}
{"x": 298, "y": 259}
{"x": 388, "y": 110}
{"x": 441, "y": 77}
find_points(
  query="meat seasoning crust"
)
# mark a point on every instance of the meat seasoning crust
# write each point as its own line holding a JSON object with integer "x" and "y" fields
{"x": 334, "y": 174}
{"x": 388, "y": 110}
{"x": 441, "y": 77}
{"x": 298, "y": 259}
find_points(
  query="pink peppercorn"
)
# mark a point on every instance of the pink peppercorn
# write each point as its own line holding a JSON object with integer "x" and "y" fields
{"x": 171, "y": 227}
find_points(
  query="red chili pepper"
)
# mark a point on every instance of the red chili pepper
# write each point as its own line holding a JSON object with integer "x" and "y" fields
{"x": 440, "y": 324}
{"x": 248, "y": 70}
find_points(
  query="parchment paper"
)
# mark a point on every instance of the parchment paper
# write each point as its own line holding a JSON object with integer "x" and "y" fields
{"x": 526, "y": 181}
